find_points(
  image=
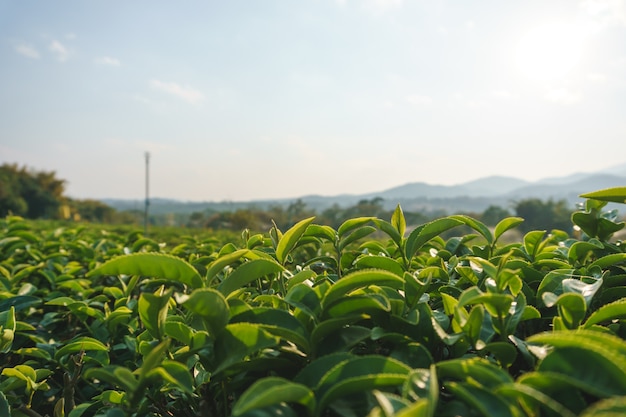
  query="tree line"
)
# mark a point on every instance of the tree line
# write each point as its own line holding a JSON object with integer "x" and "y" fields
{"x": 36, "y": 194}
{"x": 41, "y": 195}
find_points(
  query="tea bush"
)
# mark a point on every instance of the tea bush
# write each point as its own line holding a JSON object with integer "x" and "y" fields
{"x": 317, "y": 321}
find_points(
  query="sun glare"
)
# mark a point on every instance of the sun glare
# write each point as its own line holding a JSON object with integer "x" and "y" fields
{"x": 550, "y": 51}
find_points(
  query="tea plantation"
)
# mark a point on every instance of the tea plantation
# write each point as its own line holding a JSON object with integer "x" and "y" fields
{"x": 370, "y": 319}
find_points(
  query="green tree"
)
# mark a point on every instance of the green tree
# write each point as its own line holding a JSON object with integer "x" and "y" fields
{"x": 493, "y": 214}
{"x": 540, "y": 215}
{"x": 29, "y": 193}
{"x": 94, "y": 211}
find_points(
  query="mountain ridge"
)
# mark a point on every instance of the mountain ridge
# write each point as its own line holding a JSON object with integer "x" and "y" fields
{"x": 472, "y": 196}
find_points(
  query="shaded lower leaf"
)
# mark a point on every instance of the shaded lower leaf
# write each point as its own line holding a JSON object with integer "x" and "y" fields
{"x": 239, "y": 340}
{"x": 591, "y": 371}
{"x": 483, "y": 400}
{"x": 610, "y": 407}
{"x": 608, "y": 312}
{"x": 271, "y": 391}
{"x": 482, "y": 371}
{"x": 80, "y": 344}
{"x": 360, "y": 374}
{"x": 525, "y": 393}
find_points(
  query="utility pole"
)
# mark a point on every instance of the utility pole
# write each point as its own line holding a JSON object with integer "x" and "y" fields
{"x": 145, "y": 219}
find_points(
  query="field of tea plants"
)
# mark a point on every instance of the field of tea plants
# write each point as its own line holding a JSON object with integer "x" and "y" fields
{"x": 370, "y": 319}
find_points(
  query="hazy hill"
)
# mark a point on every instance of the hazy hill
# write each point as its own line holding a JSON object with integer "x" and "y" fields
{"x": 473, "y": 196}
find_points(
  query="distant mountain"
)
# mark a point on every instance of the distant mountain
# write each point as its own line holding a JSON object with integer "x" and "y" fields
{"x": 619, "y": 170}
{"x": 472, "y": 196}
{"x": 569, "y": 190}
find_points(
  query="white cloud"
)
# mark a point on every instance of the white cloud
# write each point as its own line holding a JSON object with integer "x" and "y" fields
{"x": 107, "y": 60}
{"x": 563, "y": 96}
{"x": 606, "y": 12}
{"x": 60, "y": 50}
{"x": 185, "y": 93}
{"x": 597, "y": 78}
{"x": 27, "y": 50}
{"x": 470, "y": 24}
{"x": 377, "y": 7}
{"x": 418, "y": 100}
{"x": 503, "y": 94}
{"x": 384, "y": 4}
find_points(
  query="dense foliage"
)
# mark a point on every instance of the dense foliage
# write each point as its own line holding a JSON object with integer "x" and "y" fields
{"x": 41, "y": 195}
{"x": 317, "y": 320}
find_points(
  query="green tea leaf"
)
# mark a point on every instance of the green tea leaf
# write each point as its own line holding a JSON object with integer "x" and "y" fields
{"x": 398, "y": 221}
{"x": 380, "y": 262}
{"x": 352, "y": 224}
{"x": 600, "y": 342}
{"x": 356, "y": 235}
{"x": 156, "y": 265}
{"x": 525, "y": 393}
{"x": 5, "y": 408}
{"x": 277, "y": 322}
{"x": 608, "y": 312}
{"x": 421, "y": 235}
{"x": 239, "y": 340}
{"x": 593, "y": 371}
{"x": 610, "y": 407}
{"x": 223, "y": 261}
{"x": 481, "y": 399}
{"x": 476, "y": 225}
{"x": 479, "y": 370}
{"x": 153, "y": 359}
{"x": 152, "y": 310}
{"x": 505, "y": 225}
{"x": 211, "y": 306}
{"x": 177, "y": 374}
{"x": 273, "y": 390}
{"x": 79, "y": 345}
{"x": 247, "y": 273}
{"x": 304, "y": 297}
{"x": 290, "y": 238}
{"x": 362, "y": 373}
{"x": 360, "y": 279}
{"x": 7, "y": 329}
{"x": 115, "y": 375}
{"x": 357, "y": 304}
{"x": 572, "y": 309}
{"x": 608, "y": 261}
{"x": 311, "y": 375}
{"x": 532, "y": 242}
{"x": 615, "y": 195}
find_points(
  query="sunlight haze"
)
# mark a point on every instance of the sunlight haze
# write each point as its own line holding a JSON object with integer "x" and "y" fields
{"x": 242, "y": 100}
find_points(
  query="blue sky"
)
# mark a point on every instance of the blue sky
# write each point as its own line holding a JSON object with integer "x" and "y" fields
{"x": 240, "y": 100}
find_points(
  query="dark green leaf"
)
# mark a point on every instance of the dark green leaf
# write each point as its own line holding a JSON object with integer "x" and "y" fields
{"x": 152, "y": 310}
{"x": 271, "y": 391}
{"x": 211, "y": 306}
